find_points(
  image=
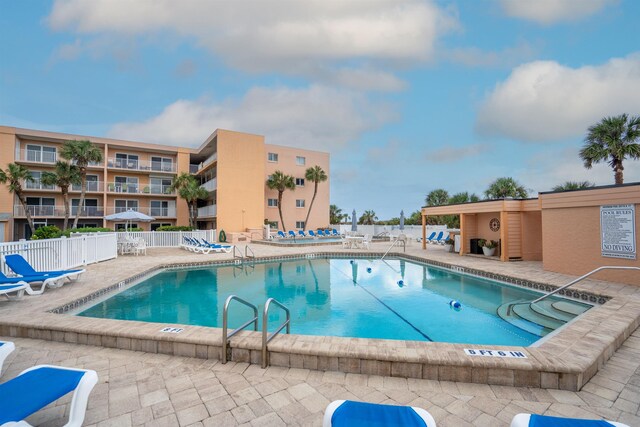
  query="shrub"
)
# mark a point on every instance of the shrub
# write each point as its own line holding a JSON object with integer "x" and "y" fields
{"x": 132, "y": 229}
{"x": 46, "y": 232}
{"x": 86, "y": 230}
{"x": 174, "y": 228}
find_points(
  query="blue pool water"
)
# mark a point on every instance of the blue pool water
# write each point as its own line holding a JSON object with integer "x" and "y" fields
{"x": 331, "y": 297}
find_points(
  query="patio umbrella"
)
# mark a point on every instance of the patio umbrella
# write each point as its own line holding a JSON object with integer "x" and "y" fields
{"x": 354, "y": 221}
{"x": 402, "y": 220}
{"x": 129, "y": 216}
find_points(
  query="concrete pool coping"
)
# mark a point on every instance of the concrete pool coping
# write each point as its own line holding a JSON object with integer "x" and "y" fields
{"x": 567, "y": 360}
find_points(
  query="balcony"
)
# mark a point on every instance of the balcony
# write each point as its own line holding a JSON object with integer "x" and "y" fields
{"x": 142, "y": 165}
{"x": 210, "y": 185}
{"x": 57, "y": 211}
{"x": 38, "y": 156}
{"x": 194, "y": 169}
{"x": 156, "y": 212}
{"x": 207, "y": 211}
{"x": 157, "y": 189}
{"x": 38, "y": 186}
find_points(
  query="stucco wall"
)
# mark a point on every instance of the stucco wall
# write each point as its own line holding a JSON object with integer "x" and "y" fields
{"x": 7, "y": 153}
{"x": 532, "y": 236}
{"x": 571, "y": 244}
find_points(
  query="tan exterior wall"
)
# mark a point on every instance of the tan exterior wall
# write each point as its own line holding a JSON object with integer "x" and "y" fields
{"x": 7, "y": 153}
{"x": 286, "y": 163}
{"x": 241, "y": 181}
{"x": 531, "y": 236}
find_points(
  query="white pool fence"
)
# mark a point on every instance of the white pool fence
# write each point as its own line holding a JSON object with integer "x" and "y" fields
{"x": 413, "y": 231}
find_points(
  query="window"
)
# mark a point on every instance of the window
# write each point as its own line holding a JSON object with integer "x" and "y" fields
{"x": 300, "y": 203}
{"x": 36, "y": 184}
{"x": 90, "y": 207}
{"x": 124, "y": 205}
{"x": 126, "y": 161}
{"x": 300, "y": 161}
{"x": 272, "y": 203}
{"x": 122, "y": 226}
{"x": 159, "y": 208}
{"x": 156, "y": 225}
{"x": 300, "y": 224}
{"x": 164, "y": 164}
{"x": 272, "y": 157}
{"x": 159, "y": 185}
{"x": 41, "y": 154}
{"x": 41, "y": 206}
{"x": 125, "y": 184}
{"x": 300, "y": 182}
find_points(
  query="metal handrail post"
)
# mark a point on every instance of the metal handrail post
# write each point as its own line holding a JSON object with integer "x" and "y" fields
{"x": 265, "y": 334}
{"x": 225, "y": 323}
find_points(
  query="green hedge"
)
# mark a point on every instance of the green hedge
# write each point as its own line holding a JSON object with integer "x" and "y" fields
{"x": 86, "y": 230}
{"x": 46, "y": 232}
{"x": 174, "y": 228}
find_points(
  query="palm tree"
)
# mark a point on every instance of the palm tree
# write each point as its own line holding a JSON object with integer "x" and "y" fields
{"x": 281, "y": 182}
{"x": 437, "y": 197}
{"x": 505, "y": 187}
{"x": 64, "y": 176}
{"x": 612, "y": 140}
{"x": 315, "y": 174}
{"x": 368, "y": 218}
{"x": 335, "y": 214}
{"x": 81, "y": 153}
{"x": 463, "y": 197}
{"x": 573, "y": 185}
{"x": 190, "y": 191}
{"x": 13, "y": 177}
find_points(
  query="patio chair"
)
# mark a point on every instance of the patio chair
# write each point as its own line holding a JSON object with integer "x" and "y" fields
{"x": 140, "y": 247}
{"x": 281, "y": 234}
{"x": 9, "y": 290}
{"x": 22, "y": 267}
{"x": 366, "y": 241}
{"x": 437, "y": 238}
{"x": 349, "y": 413}
{"x": 219, "y": 248}
{"x": 431, "y": 236}
{"x": 292, "y": 234}
{"x": 320, "y": 233}
{"x": 45, "y": 282}
{"x": 6, "y": 347}
{"x": 312, "y": 233}
{"x": 533, "y": 420}
{"x": 334, "y": 232}
{"x": 41, "y": 385}
{"x": 301, "y": 233}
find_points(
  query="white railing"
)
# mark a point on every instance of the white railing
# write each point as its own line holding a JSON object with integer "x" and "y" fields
{"x": 167, "y": 239}
{"x": 37, "y": 185}
{"x": 212, "y": 158}
{"x": 63, "y": 253}
{"x": 38, "y": 156}
{"x": 94, "y": 186}
{"x": 169, "y": 212}
{"x": 210, "y": 185}
{"x": 57, "y": 211}
{"x": 142, "y": 165}
{"x": 117, "y": 187}
{"x": 413, "y": 231}
{"x": 207, "y": 211}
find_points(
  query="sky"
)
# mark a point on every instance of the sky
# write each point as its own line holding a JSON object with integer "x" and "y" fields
{"x": 407, "y": 95}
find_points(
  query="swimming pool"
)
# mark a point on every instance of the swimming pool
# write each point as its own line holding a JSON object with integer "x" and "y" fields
{"x": 391, "y": 299}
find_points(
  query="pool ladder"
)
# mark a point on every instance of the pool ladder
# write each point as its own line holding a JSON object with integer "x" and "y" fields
{"x": 266, "y": 337}
{"x": 248, "y": 253}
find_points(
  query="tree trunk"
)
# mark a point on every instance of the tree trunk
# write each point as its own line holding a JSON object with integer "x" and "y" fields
{"x": 23, "y": 202}
{"x": 65, "y": 198}
{"x": 83, "y": 190}
{"x": 284, "y": 229}
{"x": 619, "y": 175}
{"x": 315, "y": 191}
{"x": 195, "y": 215}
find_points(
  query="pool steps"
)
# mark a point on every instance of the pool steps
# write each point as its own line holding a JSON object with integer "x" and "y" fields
{"x": 543, "y": 317}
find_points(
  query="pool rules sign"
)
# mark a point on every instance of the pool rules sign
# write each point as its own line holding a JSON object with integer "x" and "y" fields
{"x": 618, "y": 231}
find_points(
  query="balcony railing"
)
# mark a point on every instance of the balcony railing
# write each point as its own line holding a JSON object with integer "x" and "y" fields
{"x": 156, "y": 212}
{"x": 57, "y": 211}
{"x": 37, "y": 185}
{"x": 92, "y": 186}
{"x": 197, "y": 168}
{"x": 210, "y": 185}
{"x": 117, "y": 187}
{"x": 207, "y": 211}
{"x": 142, "y": 165}
{"x": 37, "y": 156}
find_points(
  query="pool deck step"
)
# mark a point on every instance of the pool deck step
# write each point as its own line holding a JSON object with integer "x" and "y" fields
{"x": 575, "y": 309}
{"x": 545, "y": 308}
{"x": 525, "y": 324}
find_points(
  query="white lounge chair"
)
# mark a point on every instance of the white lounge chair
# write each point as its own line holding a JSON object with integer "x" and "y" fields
{"x": 6, "y": 347}
{"x": 13, "y": 291}
{"x": 366, "y": 241}
{"x": 18, "y": 285}
{"x": 526, "y": 420}
{"x": 41, "y": 385}
{"x": 343, "y": 413}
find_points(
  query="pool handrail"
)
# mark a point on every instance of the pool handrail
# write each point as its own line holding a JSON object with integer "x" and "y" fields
{"x": 225, "y": 323}
{"x": 265, "y": 333}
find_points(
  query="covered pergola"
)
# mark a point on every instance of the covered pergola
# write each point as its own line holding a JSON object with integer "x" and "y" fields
{"x": 515, "y": 223}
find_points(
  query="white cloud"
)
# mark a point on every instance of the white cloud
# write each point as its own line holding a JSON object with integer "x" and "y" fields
{"x": 294, "y": 37}
{"x": 311, "y": 117}
{"x": 544, "y": 101}
{"x": 453, "y": 154}
{"x": 552, "y": 11}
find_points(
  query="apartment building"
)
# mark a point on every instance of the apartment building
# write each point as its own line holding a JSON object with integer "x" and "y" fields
{"x": 231, "y": 166}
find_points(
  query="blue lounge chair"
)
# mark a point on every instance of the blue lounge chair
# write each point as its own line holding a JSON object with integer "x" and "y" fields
{"x": 431, "y": 236}
{"x": 437, "y": 238}
{"x": 292, "y": 234}
{"x": 301, "y": 233}
{"x": 219, "y": 248}
{"x": 11, "y": 284}
{"x": 335, "y": 232}
{"x": 320, "y": 233}
{"x": 6, "y": 347}
{"x": 41, "y": 385}
{"x": 349, "y": 413}
{"x": 22, "y": 267}
{"x": 281, "y": 234}
{"x": 193, "y": 245}
{"x": 312, "y": 233}
{"x": 531, "y": 420}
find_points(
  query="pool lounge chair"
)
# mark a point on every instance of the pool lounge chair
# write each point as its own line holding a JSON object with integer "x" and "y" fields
{"x": 8, "y": 290}
{"x": 301, "y": 233}
{"x": 6, "y": 347}
{"x": 292, "y": 234}
{"x": 349, "y": 413}
{"x": 41, "y": 385}
{"x": 437, "y": 238}
{"x": 312, "y": 233}
{"x": 219, "y": 248}
{"x": 194, "y": 246}
{"x": 281, "y": 234}
{"x": 26, "y": 282}
{"x": 22, "y": 267}
{"x": 321, "y": 233}
{"x": 334, "y": 232}
{"x": 533, "y": 420}
{"x": 428, "y": 239}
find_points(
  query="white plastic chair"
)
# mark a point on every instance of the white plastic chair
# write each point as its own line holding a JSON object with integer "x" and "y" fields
{"x": 141, "y": 247}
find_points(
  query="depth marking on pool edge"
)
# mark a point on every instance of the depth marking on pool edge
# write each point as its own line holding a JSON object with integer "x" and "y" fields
{"x": 495, "y": 353}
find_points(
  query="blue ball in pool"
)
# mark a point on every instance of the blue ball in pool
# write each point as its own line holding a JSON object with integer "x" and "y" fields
{"x": 351, "y": 261}
{"x": 368, "y": 269}
{"x": 401, "y": 283}
{"x": 455, "y": 304}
